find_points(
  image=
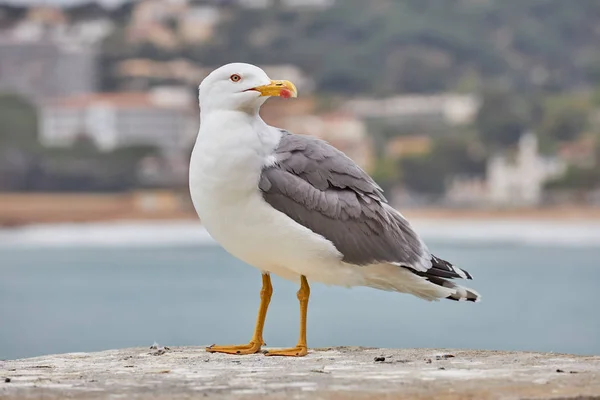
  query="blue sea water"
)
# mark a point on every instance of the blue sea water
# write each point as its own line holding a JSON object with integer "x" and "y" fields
{"x": 56, "y": 299}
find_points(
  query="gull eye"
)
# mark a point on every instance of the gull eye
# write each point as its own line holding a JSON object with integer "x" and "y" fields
{"x": 235, "y": 78}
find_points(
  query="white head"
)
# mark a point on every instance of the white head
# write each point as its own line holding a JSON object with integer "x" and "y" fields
{"x": 240, "y": 87}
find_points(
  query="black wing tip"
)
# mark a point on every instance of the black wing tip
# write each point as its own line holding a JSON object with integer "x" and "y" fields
{"x": 445, "y": 269}
{"x": 472, "y": 300}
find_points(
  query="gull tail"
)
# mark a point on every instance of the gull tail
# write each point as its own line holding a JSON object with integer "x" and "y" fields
{"x": 442, "y": 271}
{"x": 461, "y": 293}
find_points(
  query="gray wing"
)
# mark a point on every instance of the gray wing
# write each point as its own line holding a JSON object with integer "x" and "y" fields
{"x": 317, "y": 186}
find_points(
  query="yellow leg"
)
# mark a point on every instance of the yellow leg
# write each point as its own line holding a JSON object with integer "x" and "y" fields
{"x": 257, "y": 339}
{"x": 301, "y": 348}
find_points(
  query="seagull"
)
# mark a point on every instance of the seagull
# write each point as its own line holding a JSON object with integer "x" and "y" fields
{"x": 294, "y": 206}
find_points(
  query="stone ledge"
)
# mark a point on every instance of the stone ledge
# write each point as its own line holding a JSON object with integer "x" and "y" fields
{"x": 334, "y": 373}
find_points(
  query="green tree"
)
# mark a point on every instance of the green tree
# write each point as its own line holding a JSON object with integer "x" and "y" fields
{"x": 596, "y": 97}
{"x": 18, "y": 123}
{"x": 503, "y": 118}
{"x": 83, "y": 167}
{"x": 565, "y": 118}
{"x": 577, "y": 178}
{"x": 423, "y": 175}
{"x": 449, "y": 156}
{"x": 386, "y": 172}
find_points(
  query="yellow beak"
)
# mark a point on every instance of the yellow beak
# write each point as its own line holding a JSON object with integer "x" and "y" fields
{"x": 285, "y": 89}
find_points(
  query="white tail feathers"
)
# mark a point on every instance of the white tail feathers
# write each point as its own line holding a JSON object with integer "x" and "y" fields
{"x": 463, "y": 293}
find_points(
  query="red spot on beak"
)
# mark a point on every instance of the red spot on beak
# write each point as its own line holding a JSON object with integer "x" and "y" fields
{"x": 285, "y": 93}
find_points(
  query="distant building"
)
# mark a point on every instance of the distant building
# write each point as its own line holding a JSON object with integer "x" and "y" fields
{"x": 46, "y": 15}
{"x": 307, "y": 3}
{"x": 255, "y": 3}
{"x": 156, "y": 33}
{"x": 467, "y": 191}
{"x": 402, "y": 146}
{"x": 41, "y": 70}
{"x": 454, "y": 109}
{"x": 511, "y": 180}
{"x": 139, "y": 72}
{"x": 198, "y": 24}
{"x": 88, "y": 33}
{"x": 52, "y": 25}
{"x": 167, "y": 24}
{"x": 151, "y": 11}
{"x": 44, "y": 56}
{"x": 519, "y": 181}
{"x": 150, "y": 21}
{"x": 258, "y": 4}
{"x": 166, "y": 118}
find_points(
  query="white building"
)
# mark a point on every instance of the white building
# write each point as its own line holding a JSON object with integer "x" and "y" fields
{"x": 467, "y": 191}
{"x": 255, "y": 3}
{"x": 198, "y": 24}
{"x": 294, "y": 4}
{"x": 322, "y": 4}
{"x": 519, "y": 181}
{"x": 39, "y": 70}
{"x": 165, "y": 118}
{"x": 515, "y": 180}
{"x": 43, "y": 56}
{"x": 455, "y": 109}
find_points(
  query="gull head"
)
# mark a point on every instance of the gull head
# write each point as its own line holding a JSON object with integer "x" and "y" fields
{"x": 240, "y": 87}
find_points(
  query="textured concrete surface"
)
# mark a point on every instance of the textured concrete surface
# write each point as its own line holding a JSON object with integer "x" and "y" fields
{"x": 336, "y": 373}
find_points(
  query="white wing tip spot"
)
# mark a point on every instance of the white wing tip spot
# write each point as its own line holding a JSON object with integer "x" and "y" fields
{"x": 460, "y": 272}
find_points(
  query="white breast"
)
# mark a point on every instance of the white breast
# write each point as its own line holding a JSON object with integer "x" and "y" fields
{"x": 224, "y": 174}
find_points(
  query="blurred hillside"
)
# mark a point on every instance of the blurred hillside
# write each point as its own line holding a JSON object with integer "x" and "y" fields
{"x": 381, "y": 47}
{"x": 456, "y": 103}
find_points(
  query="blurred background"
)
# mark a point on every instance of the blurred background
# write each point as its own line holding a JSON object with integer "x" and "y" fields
{"x": 480, "y": 118}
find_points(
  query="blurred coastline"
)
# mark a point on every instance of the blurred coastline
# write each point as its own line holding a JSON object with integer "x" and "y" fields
{"x": 21, "y": 209}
